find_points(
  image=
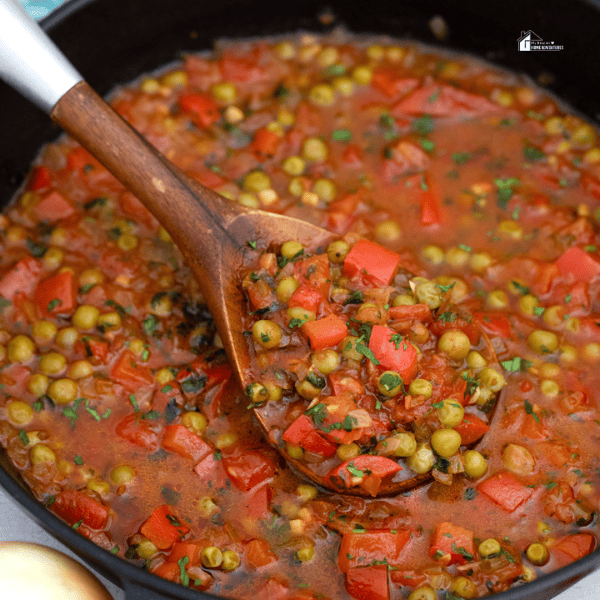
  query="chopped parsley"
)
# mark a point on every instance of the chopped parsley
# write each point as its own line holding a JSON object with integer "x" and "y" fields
{"x": 318, "y": 413}
{"x": 390, "y": 382}
{"x": 150, "y": 323}
{"x": 505, "y": 190}
{"x": 532, "y": 153}
{"x": 460, "y": 158}
{"x": 516, "y": 364}
{"x": 423, "y": 125}
{"x": 341, "y": 135}
{"x": 24, "y": 437}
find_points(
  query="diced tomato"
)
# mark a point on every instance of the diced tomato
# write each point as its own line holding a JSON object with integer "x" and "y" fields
{"x": 138, "y": 432}
{"x": 431, "y": 209}
{"x": 273, "y": 589}
{"x": 325, "y": 332}
{"x": 341, "y": 382}
{"x": 579, "y": 264}
{"x": 575, "y": 546}
{"x": 368, "y": 583}
{"x": 93, "y": 347}
{"x": 246, "y": 470}
{"x": 506, "y": 490}
{"x": 129, "y": 373}
{"x": 353, "y": 156}
{"x": 79, "y": 158}
{"x": 388, "y": 82}
{"x": 399, "y": 356}
{"x": 74, "y": 506}
{"x": 408, "y": 577}
{"x": 256, "y": 504}
{"x": 22, "y": 277}
{"x": 591, "y": 185}
{"x": 265, "y": 143}
{"x": 53, "y": 207}
{"x": 190, "y": 549}
{"x": 471, "y": 428}
{"x": 496, "y": 324}
{"x": 362, "y": 466}
{"x": 443, "y": 101}
{"x": 260, "y": 294}
{"x": 40, "y": 178}
{"x": 168, "y": 570}
{"x": 259, "y": 554}
{"x": 451, "y": 544}
{"x": 302, "y": 432}
{"x": 133, "y": 208}
{"x": 163, "y": 528}
{"x": 315, "y": 270}
{"x": 211, "y": 469}
{"x": 203, "y": 109}
{"x": 308, "y": 297}
{"x": 56, "y": 295}
{"x": 182, "y": 441}
{"x": 359, "y": 549}
{"x": 372, "y": 262}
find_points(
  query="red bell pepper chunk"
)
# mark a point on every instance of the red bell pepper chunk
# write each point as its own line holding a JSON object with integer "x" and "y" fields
{"x": 259, "y": 554}
{"x": 471, "y": 429}
{"x": 372, "y": 262}
{"x": 388, "y": 82}
{"x": 506, "y": 490}
{"x": 496, "y": 324}
{"x": 129, "y": 373}
{"x": 359, "y": 549}
{"x": 315, "y": 270}
{"x": 303, "y": 433}
{"x": 451, "y": 544}
{"x": 362, "y": 466}
{"x": 190, "y": 549}
{"x": 74, "y": 506}
{"x": 307, "y": 296}
{"x": 431, "y": 209}
{"x": 138, "y": 432}
{"x": 203, "y": 109}
{"x": 325, "y": 332}
{"x": 417, "y": 312}
{"x": 265, "y": 143}
{"x": 23, "y": 277}
{"x": 182, "y": 441}
{"x": 578, "y": 263}
{"x": 368, "y": 583}
{"x": 163, "y": 528}
{"x": 247, "y": 470}
{"x": 168, "y": 570}
{"x": 399, "y": 356}
{"x": 575, "y": 546}
{"x": 53, "y": 207}
{"x": 56, "y": 295}
{"x": 40, "y": 178}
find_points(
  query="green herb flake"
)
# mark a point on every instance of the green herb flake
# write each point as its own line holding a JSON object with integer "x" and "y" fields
{"x": 447, "y": 317}
{"x": 183, "y": 576}
{"x": 354, "y": 471}
{"x": 341, "y": 135}
{"x": 36, "y": 249}
{"x": 24, "y": 437}
{"x": 460, "y": 158}
{"x": 532, "y": 153}
{"x": 296, "y": 323}
{"x": 252, "y": 244}
{"x": 427, "y": 145}
{"x": 150, "y": 323}
{"x": 390, "y": 381}
{"x": 470, "y": 494}
{"x": 366, "y": 351}
{"x": 423, "y": 125}
{"x": 78, "y": 460}
{"x": 529, "y": 411}
{"x": 134, "y": 403}
{"x": 317, "y": 413}
{"x": 522, "y": 289}
{"x": 538, "y": 310}
{"x": 445, "y": 288}
{"x": 53, "y": 304}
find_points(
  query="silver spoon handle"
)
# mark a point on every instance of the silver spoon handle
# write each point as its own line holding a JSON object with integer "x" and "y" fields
{"x": 29, "y": 60}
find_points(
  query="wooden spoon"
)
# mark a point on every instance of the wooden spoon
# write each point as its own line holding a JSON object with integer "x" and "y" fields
{"x": 211, "y": 232}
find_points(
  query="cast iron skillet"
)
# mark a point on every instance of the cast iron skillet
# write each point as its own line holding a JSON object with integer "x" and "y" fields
{"x": 113, "y": 41}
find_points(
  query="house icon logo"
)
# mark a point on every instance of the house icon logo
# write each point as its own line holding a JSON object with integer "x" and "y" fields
{"x": 530, "y": 41}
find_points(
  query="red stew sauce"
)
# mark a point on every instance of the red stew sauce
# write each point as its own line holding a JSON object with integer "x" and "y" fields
{"x": 449, "y": 331}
